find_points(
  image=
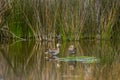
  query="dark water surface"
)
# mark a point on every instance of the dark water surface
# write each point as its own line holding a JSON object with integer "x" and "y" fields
{"x": 26, "y": 61}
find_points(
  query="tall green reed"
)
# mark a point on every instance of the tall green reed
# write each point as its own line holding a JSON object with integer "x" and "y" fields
{"x": 44, "y": 19}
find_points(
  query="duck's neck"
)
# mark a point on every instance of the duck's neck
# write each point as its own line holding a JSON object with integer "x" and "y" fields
{"x": 58, "y": 49}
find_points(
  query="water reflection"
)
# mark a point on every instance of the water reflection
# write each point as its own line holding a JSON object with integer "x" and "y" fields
{"x": 26, "y": 61}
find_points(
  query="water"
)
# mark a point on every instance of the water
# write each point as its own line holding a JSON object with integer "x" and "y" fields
{"x": 27, "y": 61}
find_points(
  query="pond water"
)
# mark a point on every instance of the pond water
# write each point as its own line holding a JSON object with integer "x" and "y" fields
{"x": 26, "y": 60}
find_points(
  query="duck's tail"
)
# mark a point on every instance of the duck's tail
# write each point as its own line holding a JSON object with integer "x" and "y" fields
{"x": 46, "y": 52}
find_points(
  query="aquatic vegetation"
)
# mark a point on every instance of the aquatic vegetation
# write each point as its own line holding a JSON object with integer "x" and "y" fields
{"x": 83, "y": 59}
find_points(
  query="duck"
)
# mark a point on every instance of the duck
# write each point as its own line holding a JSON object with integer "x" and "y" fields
{"x": 54, "y": 52}
{"x": 72, "y": 49}
{"x": 58, "y": 37}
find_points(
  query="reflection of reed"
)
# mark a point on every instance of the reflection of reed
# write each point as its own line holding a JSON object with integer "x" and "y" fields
{"x": 25, "y": 61}
{"x": 33, "y": 52}
{"x": 3, "y": 60}
{"x": 15, "y": 62}
{"x": 107, "y": 71}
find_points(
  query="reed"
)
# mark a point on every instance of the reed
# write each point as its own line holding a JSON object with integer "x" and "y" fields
{"x": 72, "y": 19}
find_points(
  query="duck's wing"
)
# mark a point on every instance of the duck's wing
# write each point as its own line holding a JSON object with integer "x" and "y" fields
{"x": 73, "y": 51}
{"x": 52, "y": 50}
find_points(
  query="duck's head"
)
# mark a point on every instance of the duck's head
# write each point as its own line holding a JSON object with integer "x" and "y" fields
{"x": 58, "y": 45}
{"x": 71, "y": 47}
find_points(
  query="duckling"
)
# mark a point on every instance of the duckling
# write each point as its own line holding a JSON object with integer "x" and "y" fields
{"x": 72, "y": 49}
{"x": 54, "y": 52}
